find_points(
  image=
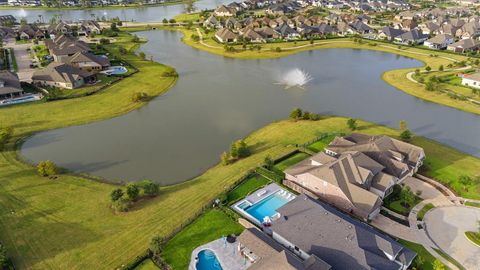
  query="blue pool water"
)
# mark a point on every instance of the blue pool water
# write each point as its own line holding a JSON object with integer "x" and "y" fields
{"x": 266, "y": 207}
{"x": 208, "y": 261}
{"x": 116, "y": 70}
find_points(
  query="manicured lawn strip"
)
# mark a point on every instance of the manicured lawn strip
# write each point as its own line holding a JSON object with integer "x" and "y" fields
{"x": 296, "y": 158}
{"x": 246, "y": 187}
{"x": 473, "y": 204}
{"x": 147, "y": 265}
{"x": 190, "y": 17}
{"x": 208, "y": 227}
{"x": 474, "y": 237}
{"x": 427, "y": 259}
{"x": 424, "y": 210}
{"x": 320, "y": 145}
{"x": 448, "y": 258}
{"x": 397, "y": 207}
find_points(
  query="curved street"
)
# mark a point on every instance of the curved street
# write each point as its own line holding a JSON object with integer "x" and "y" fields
{"x": 446, "y": 227}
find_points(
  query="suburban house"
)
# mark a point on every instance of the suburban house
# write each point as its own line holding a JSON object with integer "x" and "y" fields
{"x": 7, "y": 20}
{"x": 62, "y": 47}
{"x": 87, "y": 61}
{"x": 414, "y": 36}
{"x": 89, "y": 27}
{"x": 439, "y": 42}
{"x": 309, "y": 227}
{"x": 62, "y": 76}
{"x": 9, "y": 85}
{"x": 225, "y": 35}
{"x": 356, "y": 172}
{"x": 464, "y": 45}
{"x": 265, "y": 253}
{"x": 28, "y": 31}
{"x": 389, "y": 33}
{"x": 59, "y": 29}
{"x": 471, "y": 80}
{"x": 223, "y": 11}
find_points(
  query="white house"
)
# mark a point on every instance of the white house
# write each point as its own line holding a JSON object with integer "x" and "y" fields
{"x": 471, "y": 80}
{"x": 439, "y": 42}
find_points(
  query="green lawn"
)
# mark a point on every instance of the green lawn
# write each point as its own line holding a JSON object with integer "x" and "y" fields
{"x": 290, "y": 161}
{"x": 102, "y": 81}
{"x": 208, "y": 227}
{"x": 320, "y": 145}
{"x": 424, "y": 210}
{"x": 448, "y": 258}
{"x": 474, "y": 237}
{"x": 473, "y": 204}
{"x": 394, "y": 202}
{"x": 424, "y": 259}
{"x": 147, "y": 265}
{"x": 246, "y": 187}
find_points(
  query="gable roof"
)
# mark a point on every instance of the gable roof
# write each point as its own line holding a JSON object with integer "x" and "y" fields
{"x": 59, "y": 72}
{"x": 10, "y": 82}
{"x": 88, "y": 57}
{"x": 391, "y": 32}
{"x": 337, "y": 239}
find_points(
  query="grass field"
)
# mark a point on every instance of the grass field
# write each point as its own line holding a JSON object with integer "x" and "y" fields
{"x": 290, "y": 161}
{"x": 474, "y": 237}
{"x": 424, "y": 210}
{"x": 424, "y": 259}
{"x": 250, "y": 184}
{"x": 473, "y": 204}
{"x": 210, "y": 226}
{"x": 320, "y": 145}
{"x": 448, "y": 258}
{"x": 147, "y": 265}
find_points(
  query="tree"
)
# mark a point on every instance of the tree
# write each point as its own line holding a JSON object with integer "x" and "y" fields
{"x": 242, "y": 149}
{"x": 142, "y": 55}
{"x": 150, "y": 188}
{"x": 23, "y": 21}
{"x": 133, "y": 191}
{"x": 438, "y": 265}
{"x": 407, "y": 197}
{"x": 225, "y": 158}
{"x": 417, "y": 72}
{"x": 403, "y": 125}
{"x": 116, "y": 194}
{"x": 121, "y": 205}
{"x": 440, "y": 68}
{"x": 47, "y": 168}
{"x": 165, "y": 21}
{"x": 4, "y": 260}
{"x": 139, "y": 96}
{"x": 233, "y": 151}
{"x": 114, "y": 27}
{"x": 352, "y": 124}
{"x": 269, "y": 162}
{"x": 306, "y": 115}
{"x": 156, "y": 244}
{"x": 428, "y": 68}
{"x": 430, "y": 86}
{"x": 296, "y": 113}
{"x": 465, "y": 180}
{"x": 406, "y": 135}
{"x": 135, "y": 39}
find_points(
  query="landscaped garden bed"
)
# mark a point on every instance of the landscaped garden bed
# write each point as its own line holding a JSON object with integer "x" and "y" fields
{"x": 401, "y": 200}
{"x": 424, "y": 210}
{"x": 474, "y": 237}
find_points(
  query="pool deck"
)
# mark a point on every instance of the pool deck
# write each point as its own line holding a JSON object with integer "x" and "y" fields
{"x": 267, "y": 191}
{"x": 226, "y": 253}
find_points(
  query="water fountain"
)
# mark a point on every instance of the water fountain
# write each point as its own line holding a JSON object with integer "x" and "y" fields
{"x": 295, "y": 78}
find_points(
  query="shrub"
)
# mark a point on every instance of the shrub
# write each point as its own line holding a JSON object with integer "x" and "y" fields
{"x": 104, "y": 41}
{"x": 5, "y": 134}
{"x": 296, "y": 113}
{"x": 47, "y": 168}
{"x": 278, "y": 49}
{"x": 5, "y": 262}
{"x": 269, "y": 163}
{"x": 170, "y": 73}
{"x": 139, "y": 96}
{"x": 150, "y": 188}
{"x": 116, "y": 194}
{"x": 352, "y": 124}
{"x": 406, "y": 135}
{"x": 121, "y": 205}
{"x": 133, "y": 191}
{"x": 142, "y": 55}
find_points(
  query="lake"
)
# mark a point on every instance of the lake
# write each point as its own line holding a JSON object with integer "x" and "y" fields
{"x": 140, "y": 14}
{"x": 217, "y": 100}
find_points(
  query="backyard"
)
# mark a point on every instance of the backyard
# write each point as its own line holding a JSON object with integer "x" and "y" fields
{"x": 291, "y": 160}
{"x": 250, "y": 184}
{"x": 319, "y": 145}
{"x": 210, "y": 226}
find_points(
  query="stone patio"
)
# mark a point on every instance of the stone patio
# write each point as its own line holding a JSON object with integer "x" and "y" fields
{"x": 227, "y": 254}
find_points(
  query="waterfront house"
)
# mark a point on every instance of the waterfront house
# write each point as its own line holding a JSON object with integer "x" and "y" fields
{"x": 471, "y": 80}
{"x": 7, "y": 20}
{"x": 464, "y": 45}
{"x": 414, "y": 36}
{"x": 264, "y": 253}
{"x": 309, "y": 227}
{"x": 439, "y": 42}
{"x": 62, "y": 76}
{"x": 223, "y": 11}
{"x": 87, "y": 61}
{"x": 9, "y": 85}
{"x": 225, "y": 35}
{"x": 389, "y": 33}
{"x": 62, "y": 47}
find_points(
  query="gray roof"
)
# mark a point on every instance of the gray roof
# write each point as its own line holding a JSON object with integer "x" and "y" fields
{"x": 88, "y": 57}
{"x": 440, "y": 39}
{"x": 58, "y": 72}
{"x": 413, "y": 35}
{"x": 392, "y": 32}
{"x": 10, "y": 81}
{"x": 273, "y": 256}
{"x": 337, "y": 239}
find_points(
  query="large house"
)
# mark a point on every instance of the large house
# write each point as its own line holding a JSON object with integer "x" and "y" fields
{"x": 223, "y": 11}
{"x": 309, "y": 228}
{"x": 439, "y": 42}
{"x": 62, "y": 76}
{"x": 471, "y": 80}
{"x": 414, "y": 36}
{"x": 63, "y": 47}
{"x": 9, "y": 85}
{"x": 356, "y": 172}
{"x": 264, "y": 253}
{"x": 225, "y": 35}
{"x": 88, "y": 61}
{"x": 464, "y": 45}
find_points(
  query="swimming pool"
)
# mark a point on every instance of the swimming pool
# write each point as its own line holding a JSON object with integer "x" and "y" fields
{"x": 267, "y": 207}
{"x": 115, "y": 70}
{"x": 207, "y": 261}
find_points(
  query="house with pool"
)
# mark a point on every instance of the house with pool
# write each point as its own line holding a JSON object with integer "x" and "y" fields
{"x": 310, "y": 234}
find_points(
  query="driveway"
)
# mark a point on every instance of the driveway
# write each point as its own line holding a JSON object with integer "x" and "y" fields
{"x": 446, "y": 226}
{"x": 23, "y": 60}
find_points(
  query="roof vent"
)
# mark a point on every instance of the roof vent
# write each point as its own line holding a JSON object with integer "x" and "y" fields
{"x": 285, "y": 217}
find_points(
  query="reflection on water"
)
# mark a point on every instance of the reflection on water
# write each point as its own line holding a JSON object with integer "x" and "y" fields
{"x": 218, "y": 100}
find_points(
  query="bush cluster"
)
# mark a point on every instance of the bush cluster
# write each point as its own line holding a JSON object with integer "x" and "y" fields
{"x": 139, "y": 96}
{"x": 47, "y": 168}
{"x": 238, "y": 150}
{"x": 123, "y": 200}
{"x": 298, "y": 114}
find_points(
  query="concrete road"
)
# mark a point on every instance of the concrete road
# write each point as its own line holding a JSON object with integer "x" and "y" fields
{"x": 23, "y": 60}
{"x": 446, "y": 226}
